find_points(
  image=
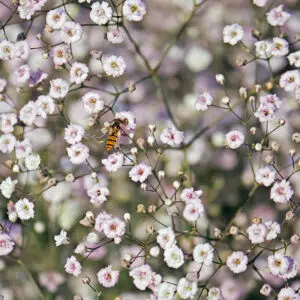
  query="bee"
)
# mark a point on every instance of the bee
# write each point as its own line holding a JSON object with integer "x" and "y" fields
{"x": 114, "y": 131}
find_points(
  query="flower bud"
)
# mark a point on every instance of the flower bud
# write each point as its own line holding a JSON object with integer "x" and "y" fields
{"x": 217, "y": 233}
{"x": 131, "y": 87}
{"x": 220, "y": 78}
{"x": 86, "y": 280}
{"x": 281, "y": 122}
{"x": 296, "y": 137}
{"x": 12, "y": 216}
{"x": 127, "y": 217}
{"x": 161, "y": 174}
{"x": 69, "y": 177}
{"x": 275, "y": 146}
{"x": 154, "y": 251}
{"x": 16, "y": 169}
{"x": 266, "y": 290}
{"x": 152, "y": 209}
{"x": 39, "y": 227}
{"x": 168, "y": 202}
{"x": 141, "y": 143}
{"x": 258, "y": 147}
{"x": 225, "y": 100}
{"x": 289, "y": 215}
{"x": 243, "y": 92}
{"x": 150, "y": 229}
{"x": 176, "y": 185}
{"x": 150, "y": 140}
{"x": 92, "y": 238}
{"x": 152, "y": 127}
{"x": 292, "y": 152}
{"x": 143, "y": 186}
{"x": 134, "y": 151}
{"x": 127, "y": 257}
{"x": 253, "y": 130}
{"x": 234, "y": 230}
{"x": 257, "y": 88}
{"x": 295, "y": 238}
{"x": 94, "y": 175}
{"x": 141, "y": 209}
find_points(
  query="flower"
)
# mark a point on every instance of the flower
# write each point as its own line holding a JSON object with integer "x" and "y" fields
{"x": 7, "y": 143}
{"x": 277, "y": 16}
{"x": 290, "y": 80}
{"x": 114, "y": 228}
{"x": 278, "y": 264}
{"x": 24, "y": 209}
{"x": 265, "y": 176}
{"x": 23, "y": 148}
{"x": 45, "y": 106}
{"x": 235, "y": 139}
{"x": 28, "y": 113}
{"x": 166, "y": 237}
{"x": 113, "y": 162}
{"x": 32, "y": 161}
{"x": 280, "y": 47}
{"x": 101, "y": 219}
{"x": 288, "y": 294}
{"x": 58, "y": 88}
{"x": 186, "y": 289}
{"x": 232, "y": 34}
{"x": 188, "y": 194}
{"x": 37, "y": 78}
{"x": 237, "y": 262}
{"x": 294, "y": 59}
{"x": 51, "y": 280}
{"x": 7, "y": 187}
{"x": 214, "y": 293}
{"x": 6, "y": 50}
{"x": 71, "y": 32}
{"x": 263, "y": 49}
{"x": 21, "y": 50}
{"x": 61, "y": 239}
{"x": 92, "y": 102}
{"x": 134, "y": 10}
{"x": 260, "y": 3}
{"x": 114, "y": 65}
{"x": 203, "y": 101}
{"x": 166, "y": 291}
{"x": 98, "y": 194}
{"x": 78, "y": 72}
{"x": 107, "y": 277}
{"x": 193, "y": 210}
{"x": 21, "y": 75}
{"x": 101, "y": 13}
{"x": 141, "y": 276}
{"x": 60, "y": 54}
{"x": 266, "y": 290}
{"x": 56, "y": 18}
{"x": 115, "y": 36}
{"x": 257, "y": 233}
{"x": 8, "y": 120}
{"x": 73, "y": 266}
{"x": 203, "y": 253}
{"x": 74, "y": 134}
{"x": 173, "y": 256}
{"x": 78, "y": 153}
{"x": 273, "y": 230}
{"x": 171, "y": 136}
{"x": 281, "y": 192}
{"x": 140, "y": 172}
{"x": 6, "y": 244}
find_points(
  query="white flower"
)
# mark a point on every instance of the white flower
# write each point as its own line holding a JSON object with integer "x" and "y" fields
{"x": 61, "y": 239}
{"x": 281, "y": 192}
{"x": 56, "y": 18}
{"x": 98, "y": 194}
{"x": 235, "y": 139}
{"x": 237, "y": 262}
{"x": 257, "y": 233}
{"x": 60, "y": 54}
{"x": 114, "y": 228}
{"x": 21, "y": 75}
{"x": 78, "y": 72}
{"x": 280, "y": 47}
{"x": 134, "y": 10}
{"x": 266, "y": 290}
{"x": 23, "y": 148}
{"x": 92, "y": 102}
{"x": 260, "y": 3}
{"x": 115, "y": 36}
{"x": 288, "y": 294}
{"x": 263, "y": 49}
{"x": 107, "y": 277}
{"x": 114, "y": 66}
{"x": 273, "y": 230}
{"x": 6, "y": 244}
{"x": 45, "y": 106}
{"x": 154, "y": 251}
{"x": 232, "y": 34}
{"x": 113, "y": 162}
{"x": 74, "y": 134}
{"x": 278, "y": 264}
{"x": 101, "y": 13}
{"x": 294, "y": 59}
{"x": 21, "y": 50}
{"x": 214, "y": 293}
{"x": 203, "y": 101}
{"x": 7, "y": 143}
{"x": 173, "y": 256}
{"x": 277, "y": 16}
{"x": 166, "y": 237}
{"x": 24, "y": 209}
{"x": 166, "y": 291}
{"x": 32, "y": 161}
{"x": 141, "y": 276}
{"x": 101, "y": 219}
{"x": 78, "y": 153}
{"x": 58, "y": 88}
{"x": 6, "y": 50}
{"x": 7, "y": 187}
{"x": 265, "y": 112}
{"x": 203, "y": 253}
{"x": 186, "y": 289}
{"x": 155, "y": 281}
{"x": 188, "y": 194}
{"x": 73, "y": 266}
{"x": 265, "y": 176}
{"x": 193, "y": 210}
{"x": 140, "y": 172}
{"x": 128, "y": 128}
{"x": 8, "y": 120}
{"x": 92, "y": 238}
{"x": 28, "y": 113}
{"x": 71, "y": 32}
{"x": 171, "y": 136}
{"x": 290, "y": 80}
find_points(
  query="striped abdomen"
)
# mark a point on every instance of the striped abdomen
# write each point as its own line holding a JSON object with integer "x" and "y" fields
{"x": 112, "y": 138}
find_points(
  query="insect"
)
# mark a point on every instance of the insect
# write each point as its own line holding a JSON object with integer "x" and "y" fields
{"x": 114, "y": 131}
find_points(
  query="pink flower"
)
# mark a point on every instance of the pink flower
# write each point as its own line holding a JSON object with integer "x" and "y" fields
{"x": 107, "y": 277}
{"x": 235, "y": 139}
{"x": 171, "y": 136}
{"x": 141, "y": 276}
{"x": 78, "y": 153}
{"x": 290, "y": 80}
{"x": 113, "y": 162}
{"x": 281, "y": 192}
{"x": 203, "y": 101}
{"x": 277, "y": 16}
{"x": 74, "y": 134}
{"x": 51, "y": 280}
{"x": 98, "y": 194}
{"x": 73, "y": 266}
{"x": 6, "y": 244}
{"x": 140, "y": 172}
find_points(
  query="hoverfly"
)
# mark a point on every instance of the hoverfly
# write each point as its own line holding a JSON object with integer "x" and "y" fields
{"x": 114, "y": 130}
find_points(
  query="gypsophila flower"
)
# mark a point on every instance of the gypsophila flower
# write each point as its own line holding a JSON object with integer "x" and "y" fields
{"x": 6, "y": 50}
{"x": 28, "y": 8}
{"x": 278, "y": 264}
{"x": 56, "y": 18}
{"x": 28, "y": 113}
{"x": 237, "y": 262}
{"x": 7, "y": 143}
{"x": 265, "y": 176}
{"x": 74, "y": 134}
{"x": 60, "y": 54}
{"x": 6, "y": 244}
{"x": 171, "y": 136}
{"x": 21, "y": 75}
{"x": 7, "y": 187}
{"x": 23, "y": 148}
{"x": 107, "y": 277}
{"x": 92, "y": 102}
{"x": 115, "y": 36}
{"x": 73, "y": 266}
{"x": 288, "y": 294}
{"x": 140, "y": 172}
{"x": 294, "y": 59}
{"x": 114, "y": 228}
{"x": 141, "y": 276}
{"x": 8, "y": 121}
{"x": 280, "y": 47}
{"x": 203, "y": 253}
{"x": 101, "y": 13}
{"x": 78, "y": 153}
{"x": 45, "y": 106}
{"x": 24, "y": 209}
{"x": 113, "y": 162}
{"x": 114, "y": 66}
{"x": 266, "y": 290}
{"x": 21, "y": 50}
{"x": 71, "y": 32}
{"x": 189, "y": 194}
{"x": 214, "y": 293}
{"x": 273, "y": 230}
{"x": 61, "y": 239}
{"x": 290, "y": 80}
{"x": 134, "y": 10}
{"x": 235, "y": 139}
{"x": 260, "y": 3}
{"x": 98, "y": 194}
{"x": 166, "y": 291}
{"x": 263, "y": 49}
{"x": 51, "y": 280}
{"x": 101, "y": 219}
{"x": 277, "y": 16}
{"x": 257, "y": 233}
{"x": 281, "y": 192}
{"x": 78, "y": 72}
{"x": 193, "y": 210}
{"x": 32, "y": 161}
{"x": 232, "y": 34}
{"x": 203, "y": 101}
{"x": 166, "y": 237}
{"x": 186, "y": 289}
{"x": 58, "y": 88}
{"x": 173, "y": 256}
